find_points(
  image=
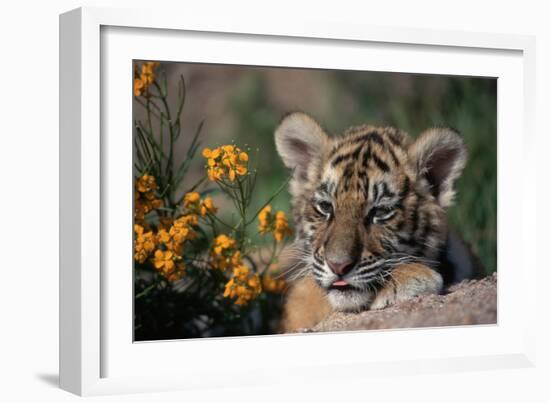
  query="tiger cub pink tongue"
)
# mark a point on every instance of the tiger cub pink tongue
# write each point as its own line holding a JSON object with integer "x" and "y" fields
{"x": 339, "y": 283}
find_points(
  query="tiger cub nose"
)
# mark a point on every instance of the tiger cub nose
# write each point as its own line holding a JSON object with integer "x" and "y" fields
{"x": 341, "y": 268}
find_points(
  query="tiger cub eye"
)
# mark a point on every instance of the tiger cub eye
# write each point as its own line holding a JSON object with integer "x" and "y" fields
{"x": 324, "y": 207}
{"x": 380, "y": 214}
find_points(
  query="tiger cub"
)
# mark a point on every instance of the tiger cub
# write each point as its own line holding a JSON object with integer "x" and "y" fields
{"x": 369, "y": 209}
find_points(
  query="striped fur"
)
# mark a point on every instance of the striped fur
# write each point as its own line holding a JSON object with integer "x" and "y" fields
{"x": 371, "y": 196}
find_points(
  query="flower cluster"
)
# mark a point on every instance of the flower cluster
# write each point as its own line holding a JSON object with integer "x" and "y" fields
{"x": 225, "y": 278}
{"x": 145, "y": 199}
{"x": 243, "y": 286}
{"x": 276, "y": 223}
{"x": 272, "y": 280}
{"x": 227, "y": 161}
{"x": 144, "y": 244}
{"x": 169, "y": 264}
{"x": 162, "y": 243}
{"x": 167, "y": 245}
{"x": 180, "y": 231}
{"x": 224, "y": 253}
{"x": 192, "y": 201}
{"x": 145, "y": 78}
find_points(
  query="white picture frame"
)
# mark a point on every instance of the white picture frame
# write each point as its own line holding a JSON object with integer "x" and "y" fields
{"x": 96, "y": 354}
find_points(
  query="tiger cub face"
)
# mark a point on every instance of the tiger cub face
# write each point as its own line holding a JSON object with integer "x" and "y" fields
{"x": 367, "y": 201}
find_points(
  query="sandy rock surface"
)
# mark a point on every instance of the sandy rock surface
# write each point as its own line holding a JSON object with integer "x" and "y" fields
{"x": 467, "y": 303}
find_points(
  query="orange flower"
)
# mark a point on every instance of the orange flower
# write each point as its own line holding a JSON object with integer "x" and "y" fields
{"x": 243, "y": 289}
{"x": 266, "y": 219}
{"x": 145, "y": 197}
{"x": 144, "y": 79}
{"x": 191, "y": 200}
{"x": 272, "y": 284}
{"x": 180, "y": 231}
{"x": 164, "y": 260}
{"x": 163, "y": 236}
{"x": 278, "y": 223}
{"x": 139, "y": 87}
{"x": 144, "y": 244}
{"x": 227, "y": 160}
{"x": 144, "y": 207}
{"x": 207, "y": 207}
{"x": 223, "y": 242}
{"x": 224, "y": 253}
{"x": 215, "y": 174}
{"x": 236, "y": 258}
{"x": 241, "y": 272}
{"x": 211, "y": 154}
{"x": 282, "y": 228}
{"x": 229, "y": 286}
{"x": 146, "y": 183}
{"x": 254, "y": 282}
{"x": 187, "y": 220}
{"x": 177, "y": 273}
{"x": 148, "y": 72}
{"x": 166, "y": 263}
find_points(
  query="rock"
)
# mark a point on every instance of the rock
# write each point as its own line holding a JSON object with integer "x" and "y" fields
{"x": 471, "y": 302}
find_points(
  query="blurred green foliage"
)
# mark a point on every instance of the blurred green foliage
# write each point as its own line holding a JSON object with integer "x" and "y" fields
{"x": 409, "y": 102}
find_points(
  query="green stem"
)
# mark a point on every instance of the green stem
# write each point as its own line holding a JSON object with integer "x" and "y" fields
{"x": 279, "y": 190}
{"x": 139, "y": 101}
{"x": 273, "y": 254}
{"x": 170, "y": 161}
{"x": 242, "y": 223}
{"x": 146, "y": 291}
{"x": 221, "y": 222}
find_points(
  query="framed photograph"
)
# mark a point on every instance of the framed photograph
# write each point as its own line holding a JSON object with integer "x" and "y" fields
{"x": 239, "y": 192}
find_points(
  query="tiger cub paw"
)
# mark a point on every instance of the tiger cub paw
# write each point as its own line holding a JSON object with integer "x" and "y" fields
{"x": 406, "y": 282}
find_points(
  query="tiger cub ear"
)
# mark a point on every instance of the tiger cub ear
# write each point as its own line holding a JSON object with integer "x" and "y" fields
{"x": 440, "y": 156}
{"x": 299, "y": 139}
